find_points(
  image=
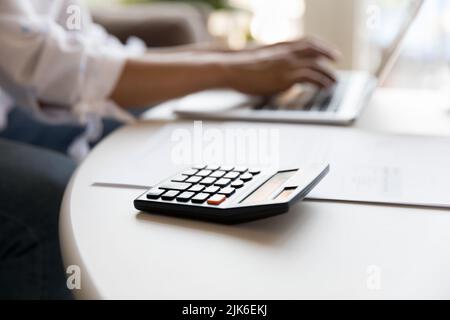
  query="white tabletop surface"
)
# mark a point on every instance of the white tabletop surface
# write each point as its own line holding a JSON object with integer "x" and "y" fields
{"x": 318, "y": 250}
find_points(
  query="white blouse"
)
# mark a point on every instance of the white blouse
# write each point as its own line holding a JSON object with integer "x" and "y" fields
{"x": 52, "y": 52}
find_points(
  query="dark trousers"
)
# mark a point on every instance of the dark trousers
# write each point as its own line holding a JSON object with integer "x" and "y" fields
{"x": 33, "y": 175}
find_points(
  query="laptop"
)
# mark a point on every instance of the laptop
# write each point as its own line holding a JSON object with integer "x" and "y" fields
{"x": 303, "y": 103}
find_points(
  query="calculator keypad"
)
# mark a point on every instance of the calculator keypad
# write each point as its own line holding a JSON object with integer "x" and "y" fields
{"x": 237, "y": 184}
{"x": 185, "y": 196}
{"x": 155, "y": 193}
{"x": 222, "y": 182}
{"x": 246, "y": 177}
{"x": 230, "y": 194}
{"x": 170, "y": 195}
{"x": 218, "y": 174}
{"x": 190, "y": 172}
{"x": 228, "y": 191}
{"x": 200, "y": 198}
{"x": 203, "y": 184}
{"x": 180, "y": 178}
{"x": 197, "y": 188}
{"x": 193, "y": 179}
{"x": 211, "y": 189}
{"x": 232, "y": 175}
{"x": 203, "y": 173}
{"x": 254, "y": 171}
{"x": 208, "y": 181}
{"x": 179, "y": 186}
{"x": 217, "y": 199}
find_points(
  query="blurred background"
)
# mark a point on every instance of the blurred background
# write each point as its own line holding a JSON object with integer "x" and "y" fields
{"x": 361, "y": 29}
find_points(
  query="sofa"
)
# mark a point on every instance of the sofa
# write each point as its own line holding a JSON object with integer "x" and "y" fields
{"x": 158, "y": 24}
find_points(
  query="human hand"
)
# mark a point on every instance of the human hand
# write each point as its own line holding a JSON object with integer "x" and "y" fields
{"x": 272, "y": 69}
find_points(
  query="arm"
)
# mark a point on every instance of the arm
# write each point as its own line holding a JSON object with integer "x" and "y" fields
{"x": 149, "y": 80}
{"x": 259, "y": 71}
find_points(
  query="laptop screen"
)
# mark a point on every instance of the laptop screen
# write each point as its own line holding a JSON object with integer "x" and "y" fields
{"x": 393, "y": 50}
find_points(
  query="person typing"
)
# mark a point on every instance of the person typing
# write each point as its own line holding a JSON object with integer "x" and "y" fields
{"x": 57, "y": 82}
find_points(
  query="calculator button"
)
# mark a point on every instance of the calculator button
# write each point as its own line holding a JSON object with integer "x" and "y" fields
{"x": 208, "y": 181}
{"x": 212, "y": 167}
{"x": 216, "y": 199}
{"x": 169, "y": 195}
{"x": 179, "y": 178}
{"x": 217, "y": 174}
{"x": 246, "y": 177}
{"x": 254, "y": 171}
{"x": 232, "y": 175}
{"x": 240, "y": 169}
{"x": 237, "y": 184}
{"x": 185, "y": 196}
{"x": 211, "y": 189}
{"x": 155, "y": 193}
{"x": 222, "y": 182}
{"x": 194, "y": 179}
{"x": 197, "y": 188}
{"x": 200, "y": 198}
{"x": 227, "y": 191}
{"x": 190, "y": 172}
{"x": 226, "y": 168}
{"x": 180, "y": 186}
{"x": 199, "y": 167}
{"x": 203, "y": 173}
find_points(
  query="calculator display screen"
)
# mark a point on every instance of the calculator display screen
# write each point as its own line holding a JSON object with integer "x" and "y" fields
{"x": 266, "y": 190}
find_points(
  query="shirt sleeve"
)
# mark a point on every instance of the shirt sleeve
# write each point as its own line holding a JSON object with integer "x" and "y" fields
{"x": 60, "y": 67}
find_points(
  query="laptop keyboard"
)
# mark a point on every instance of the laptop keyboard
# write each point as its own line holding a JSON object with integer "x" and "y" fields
{"x": 308, "y": 98}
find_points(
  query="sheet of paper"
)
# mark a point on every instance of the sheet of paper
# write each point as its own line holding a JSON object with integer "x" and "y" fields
{"x": 379, "y": 168}
{"x": 364, "y": 166}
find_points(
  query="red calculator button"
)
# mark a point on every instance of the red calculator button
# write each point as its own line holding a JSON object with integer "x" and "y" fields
{"x": 217, "y": 199}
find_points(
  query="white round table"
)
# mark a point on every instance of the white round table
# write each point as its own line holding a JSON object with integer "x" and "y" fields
{"x": 318, "y": 250}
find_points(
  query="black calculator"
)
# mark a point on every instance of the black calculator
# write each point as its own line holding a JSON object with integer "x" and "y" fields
{"x": 230, "y": 194}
